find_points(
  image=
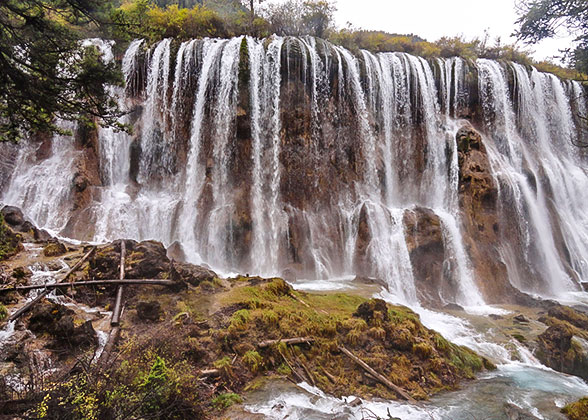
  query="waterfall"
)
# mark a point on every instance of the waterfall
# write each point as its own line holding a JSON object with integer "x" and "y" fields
{"x": 292, "y": 155}
{"x": 153, "y": 140}
{"x": 535, "y": 160}
{"x": 267, "y": 216}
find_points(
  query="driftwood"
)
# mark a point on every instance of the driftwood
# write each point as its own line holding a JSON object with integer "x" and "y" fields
{"x": 118, "y": 303}
{"x": 293, "y": 296}
{"x": 156, "y": 282}
{"x": 210, "y": 372}
{"x": 287, "y": 341}
{"x": 306, "y": 371}
{"x": 27, "y": 307}
{"x": 381, "y": 378}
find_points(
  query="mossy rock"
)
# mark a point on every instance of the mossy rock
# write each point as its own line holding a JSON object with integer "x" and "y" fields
{"x": 54, "y": 249}
{"x": 577, "y": 410}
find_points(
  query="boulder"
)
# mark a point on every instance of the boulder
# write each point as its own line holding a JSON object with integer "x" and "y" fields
{"x": 373, "y": 308}
{"x": 574, "y": 317}
{"x": 60, "y": 323}
{"x": 148, "y": 310}
{"x": 145, "y": 260}
{"x": 558, "y": 349}
{"x": 13, "y": 216}
{"x": 176, "y": 252}
{"x": 191, "y": 274}
{"x": 54, "y": 248}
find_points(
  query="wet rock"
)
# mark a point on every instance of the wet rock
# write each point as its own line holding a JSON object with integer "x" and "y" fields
{"x": 149, "y": 310}
{"x": 561, "y": 351}
{"x": 13, "y": 216}
{"x": 176, "y": 252}
{"x": 13, "y": 349}
{"x": 370, "y": 280}
{"x": 41, "y": 235}
{"x": 364, "y": 237}
{"x": 424, "y": 239}
{"x": 574, "y": 317}
{"x": 191, "y": 274}
{"x": 521, "y": 318}
{"x": 54, "y": 249}
{"x": 478, "y": 201}
{"x": 10, "y": 242}
{"x": 145, "y": 260}
{"x": 289, "y": 274}
{"x": 453, "y": 307}
{"x": 515, "y": 413}
{"x": 21, "y": 274}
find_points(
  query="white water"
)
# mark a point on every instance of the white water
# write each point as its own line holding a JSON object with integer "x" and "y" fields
{"x": 397, "y": 101}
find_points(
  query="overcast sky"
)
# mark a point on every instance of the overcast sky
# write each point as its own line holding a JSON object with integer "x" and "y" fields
{"x": 432, "y": 19}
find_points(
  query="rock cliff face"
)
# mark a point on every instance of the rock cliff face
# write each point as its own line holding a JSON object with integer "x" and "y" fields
{"x": 293, "y": 156}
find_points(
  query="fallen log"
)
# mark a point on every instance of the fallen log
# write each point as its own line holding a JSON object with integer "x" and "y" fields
{"x": 287, "y": 341}
{"x": 130, "y": 282}
{"x": 381, "y": 378}
{"x": 27, "y": 307}
{"x": 79, "y": 263}
{"x": 111, "y": 340}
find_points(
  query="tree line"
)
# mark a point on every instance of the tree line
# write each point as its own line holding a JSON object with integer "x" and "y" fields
{"x": 47, "y": 73}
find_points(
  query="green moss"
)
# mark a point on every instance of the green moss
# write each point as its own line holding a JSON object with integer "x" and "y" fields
{"x": 8, "y": 241}
{"x": 239, "y": 320}
{"x": 283, "y": 369}
{"x": 519, "y": 337}
{"x": 224, "y": 401}
{"x": 253, "y": 360}
{"x": 577, "y": 410}
{"x": 3, "y": 312}
{"x": 422, "y": 350}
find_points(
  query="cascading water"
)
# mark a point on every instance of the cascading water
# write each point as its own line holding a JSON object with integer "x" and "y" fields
{"x": 210, "y": 163}
{"x": 540, "y": 170}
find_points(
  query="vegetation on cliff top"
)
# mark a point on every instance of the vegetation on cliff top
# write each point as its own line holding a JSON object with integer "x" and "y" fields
{"x": 48, "y": 75}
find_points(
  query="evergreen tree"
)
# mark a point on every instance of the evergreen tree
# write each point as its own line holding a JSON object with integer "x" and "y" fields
{"x": 46, "y": 73}
{"x": 540, "y": 19}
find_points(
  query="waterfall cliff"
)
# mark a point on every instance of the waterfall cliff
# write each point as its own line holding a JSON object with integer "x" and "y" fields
{"x": 450, "y": 180}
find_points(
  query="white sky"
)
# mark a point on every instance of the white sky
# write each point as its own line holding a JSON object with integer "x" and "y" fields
{"x": 432, "y": 19}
